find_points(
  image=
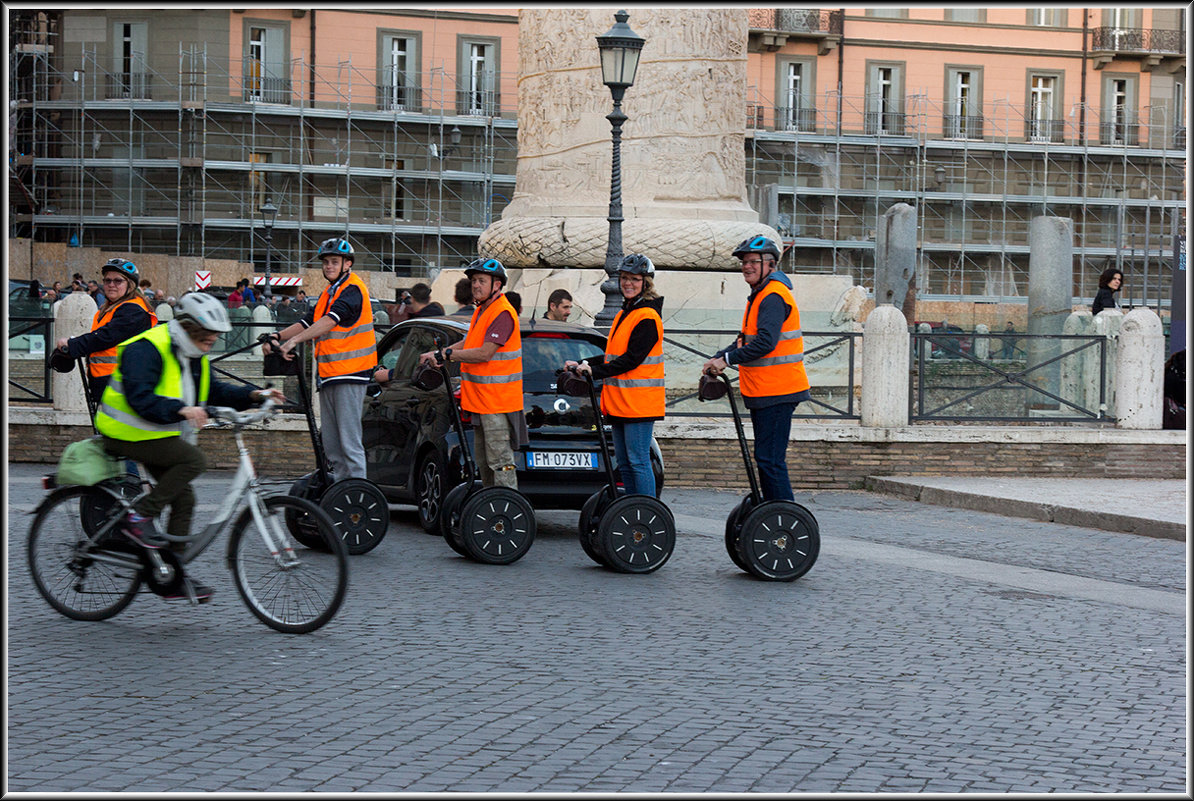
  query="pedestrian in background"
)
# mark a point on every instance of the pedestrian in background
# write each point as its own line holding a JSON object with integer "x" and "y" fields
{"x": 1009, "y": 342}
{"x": 515, "y": 301}
{"x": 559, "y": 306}
{"x": 416, "y": 302}
{"x": 463, "y": 295}
{"x": 769, "y": 355}
{"x": 1110, "y": 282}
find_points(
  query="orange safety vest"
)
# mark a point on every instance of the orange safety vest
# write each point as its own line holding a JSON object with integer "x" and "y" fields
{"x": 346, "y": 351}
{"x": 636, "y": 393}
{"x": 103, "y": 362}
{"x": 780, "y": 372}
{"x": 495, "y": 386}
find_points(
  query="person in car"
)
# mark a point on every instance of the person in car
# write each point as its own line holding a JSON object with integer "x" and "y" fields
{"x": 769, "y": 355}
{"x": 633, "y": 396}
{"x": 345, "y": 350}
{"x": 124, "y": 314}
{"x": 490, "y": 357}
{"x": 152, "y": 410}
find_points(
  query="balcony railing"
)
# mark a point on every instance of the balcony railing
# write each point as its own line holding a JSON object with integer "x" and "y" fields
{"x": 1044, "y": 130}
{"x": 398, "y": 98}
{"x": 1137, "y": 40}
{"x": 885, "y": 122}
{"x": 1119, "y": 133}
{"x": 129, "y": 86}
{"x": 796, "y": 20}
{"x": 1179, "y": 138}
{"x": 963, "y": 127}
{"x": 800, "y": 118}
{"x": 266, "y": 90}
{"x": 478, "y": 102}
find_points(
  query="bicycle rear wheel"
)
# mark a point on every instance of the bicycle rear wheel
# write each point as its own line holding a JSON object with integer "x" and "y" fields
{"x": 77, "y": 579}
{"x": 299, "y": 589}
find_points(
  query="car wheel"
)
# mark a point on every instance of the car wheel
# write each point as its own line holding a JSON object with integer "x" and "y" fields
{"x": 429, "y": 490}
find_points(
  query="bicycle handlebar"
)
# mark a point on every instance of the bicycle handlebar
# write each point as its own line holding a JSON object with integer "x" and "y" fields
{"x": 226, "y": 415}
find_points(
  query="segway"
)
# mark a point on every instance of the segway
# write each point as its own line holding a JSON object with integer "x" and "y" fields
{"x": 356, "y": 506}
{"x": 491, "y": 525}
{"x": 773, "y": 540}
{"x": 626, "y": 533}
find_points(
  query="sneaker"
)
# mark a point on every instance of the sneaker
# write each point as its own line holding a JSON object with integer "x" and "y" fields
{"x": 202, "y": 592}
{"x": 142, "y": 531}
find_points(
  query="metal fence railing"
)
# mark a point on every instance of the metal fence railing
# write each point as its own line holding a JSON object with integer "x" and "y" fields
{"x": 29, "y": 342}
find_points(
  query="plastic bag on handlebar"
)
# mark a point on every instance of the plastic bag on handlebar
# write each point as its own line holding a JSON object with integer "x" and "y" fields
{"x": 572, "y": 384}
{"x": 276, "y": 364}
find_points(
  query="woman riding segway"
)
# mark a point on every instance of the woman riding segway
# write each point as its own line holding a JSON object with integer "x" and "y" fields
{"x": 632, "y": 399}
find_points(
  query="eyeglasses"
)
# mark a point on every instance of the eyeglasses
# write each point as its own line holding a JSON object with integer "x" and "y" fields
{"x": 114, "y": 281}
{"x": 751, "y": 261}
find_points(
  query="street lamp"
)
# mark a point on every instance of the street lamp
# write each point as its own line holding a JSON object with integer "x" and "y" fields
{"x": 620, "y": 48}
{"x": 268, "y": 212}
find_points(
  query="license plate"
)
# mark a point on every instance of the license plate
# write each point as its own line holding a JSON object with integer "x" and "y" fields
{"x": 560, "y": 460}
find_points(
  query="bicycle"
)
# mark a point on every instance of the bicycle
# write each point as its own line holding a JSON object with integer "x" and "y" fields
{"x": 86, "y": 569}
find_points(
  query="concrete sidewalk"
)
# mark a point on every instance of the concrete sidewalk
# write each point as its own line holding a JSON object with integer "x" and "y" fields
{"x": 1149, "y": 507}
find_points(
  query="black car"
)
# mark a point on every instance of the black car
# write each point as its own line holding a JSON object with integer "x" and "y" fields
{"x": 411, "y": 447}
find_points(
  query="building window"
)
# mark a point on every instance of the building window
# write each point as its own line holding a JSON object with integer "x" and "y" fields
{"x": 1047, "y": 17}
{"x": 1119, "y": 125}
{"x": 1044, "y": 118}
{"x": 887, "y": 13}
{"x": 398, "y": 74}
{"x": 397, "y": 203}
{"x": 130, "y": 73}
{"x": 266, "y": 78}
{"x": 966, "y": 14}
{"x": 1123, "y": 29}
{"x": 885, "y": 99}
{"x": 1179, "y": 116}
{"x": 797, "y": 111}
{"x": 963, "y": 90}
{"x": 477, "y": 83}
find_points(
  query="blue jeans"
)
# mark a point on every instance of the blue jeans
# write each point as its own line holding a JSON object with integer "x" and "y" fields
{"x": 632, "y": 447}
{"x": 773, "y": 426}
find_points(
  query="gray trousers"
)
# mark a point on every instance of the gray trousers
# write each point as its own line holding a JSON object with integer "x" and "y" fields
{"x": 340, "y": 407}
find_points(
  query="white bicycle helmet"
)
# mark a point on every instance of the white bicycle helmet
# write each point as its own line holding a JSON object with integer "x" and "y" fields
{"x": 205, "y": 311}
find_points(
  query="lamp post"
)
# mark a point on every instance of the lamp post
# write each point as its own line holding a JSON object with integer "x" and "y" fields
{"x": 620, "y": 48}
{"x": 268, "y": 212}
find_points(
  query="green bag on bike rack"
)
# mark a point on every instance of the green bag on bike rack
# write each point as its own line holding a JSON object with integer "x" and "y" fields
{"x": 86, "y": 463}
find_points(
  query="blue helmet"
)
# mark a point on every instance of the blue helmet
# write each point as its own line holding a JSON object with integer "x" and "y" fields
{"x": 122, "y": 266}
{"x": 637, "y": 264}
{"x": 336, "y": 246}
{"x": 491, "y": 267}
{"x": 757, "y": 244}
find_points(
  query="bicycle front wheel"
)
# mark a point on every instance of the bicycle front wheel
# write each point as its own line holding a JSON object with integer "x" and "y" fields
{"x": 298, "y": 589}
{"x": 77, "y": 579}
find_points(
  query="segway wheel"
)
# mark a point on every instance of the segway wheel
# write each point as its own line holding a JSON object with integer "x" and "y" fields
{"x": 779, "y": 541}
{"x": 449, "y": 516}
{"x": 733, "y": 529}
{"x": 309, "y": 488}
{"x": 497, "y": 525}
{"x": 636, "y": 534}
{"x": 359, "y": 512}
{"x": 590, "y": 513}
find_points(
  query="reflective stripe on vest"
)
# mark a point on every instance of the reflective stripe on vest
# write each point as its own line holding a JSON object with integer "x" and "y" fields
{"x": 495, "y": 386}
{"x": 781, "y": 371}
{"x": 346, "y": 351}
{"x": 115, "y": 418}
{"x": 639, "y": 392}
{"x": 103, "y": 362}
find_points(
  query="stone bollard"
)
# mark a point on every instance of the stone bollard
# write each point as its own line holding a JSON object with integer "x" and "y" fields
{"x": 164, "y": 312}
{"x": 72, "y": 317}
{"x": 263, "y": 320}
{"x": 884, "y": 401}
{"x": 1106, "y": 324}
{"x": 1140, "y": 370}
{"x": 982, "y": 343}
{"x": 1075, "y": 367}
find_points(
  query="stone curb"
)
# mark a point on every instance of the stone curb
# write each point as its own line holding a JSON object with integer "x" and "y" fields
{"x": 1070, "y": 516}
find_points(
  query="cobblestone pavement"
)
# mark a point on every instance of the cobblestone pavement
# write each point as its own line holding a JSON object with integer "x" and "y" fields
{"x": 929, "y": 649}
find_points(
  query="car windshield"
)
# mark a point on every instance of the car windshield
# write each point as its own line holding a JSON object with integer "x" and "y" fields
{"x": 543, "y": 354}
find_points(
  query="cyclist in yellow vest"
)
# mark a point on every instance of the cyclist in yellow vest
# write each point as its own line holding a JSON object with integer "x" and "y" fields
{"x": 345, "y": 351}
{"x": 123, "y": 315}
{"x": 632, "y": 398}
{"x": 490, "y": 359}
{"x": 769, "y": 356}
{"x": 152, "y": 409}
